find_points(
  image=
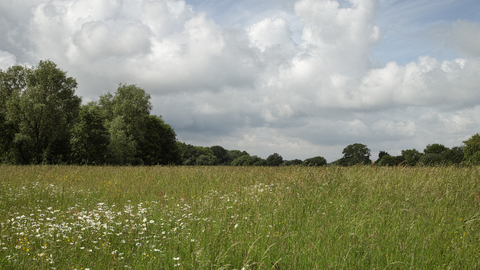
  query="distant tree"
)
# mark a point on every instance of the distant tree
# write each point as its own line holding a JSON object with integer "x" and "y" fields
{"x": 257, "y": 161}
{"x": 132, "y": 105}
{"x": 315, "y": 161}
{"x": 387, "y": 160}
{"x": 158, "y": 146}
{"x": 41, "y": 108}
{"x": 400, "y": 160}
{"x": 234, "y": 154}
{"x": 122, "y": 147}
{"x": 431, "y": 159}
{"x": 411, "y": 156}
{"x": 380, "y": 155}
{"x": 453, "y": 156}
{"x": 187, "y": 153}
{"x": 435, "y": 149}
{"x": 220, "y": 153}
{"x": 195, "y": 155}
{"x": 206, "y": 160}
{"x": 472, "y": 149}
{"x": 356, "y": 153}
{"x": 433, "y": 154}
{"x": 274, "y": 160}
{"x": 241, "y": 161}
{"x": 293, "y": 162}
{"x": 89, "y": 138}
{"x": 12, "y": 80}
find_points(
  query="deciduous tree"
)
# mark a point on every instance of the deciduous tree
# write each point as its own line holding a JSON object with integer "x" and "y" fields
{"x": 274, "y": 160}
{"x": 89, "y": 137}
{"x": 472, "y": 149}
{"x": 42, "y": 106}
{"x": 356, "y": 153}
{"x": 315, "y": 161}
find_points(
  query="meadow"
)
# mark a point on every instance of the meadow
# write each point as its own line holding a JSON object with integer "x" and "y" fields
{"x": 361, "y": 217}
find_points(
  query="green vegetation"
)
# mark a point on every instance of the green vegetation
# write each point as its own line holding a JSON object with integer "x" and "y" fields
{"x": 42, "y": 121}
{"x": 360, "y": 217}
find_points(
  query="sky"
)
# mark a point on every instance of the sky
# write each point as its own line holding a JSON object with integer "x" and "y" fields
{"x": 299, "y": 78}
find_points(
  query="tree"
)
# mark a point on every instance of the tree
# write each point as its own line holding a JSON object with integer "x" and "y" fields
{"x": 315, "y": 161}
{"x": 387, "y": 160}
{"x": 122, "y": 147}
{"x": 220, "y": 153}
{"x": 435, "y": 148}
{"x": 195, "y": 155}
{"x": 411, "y": 156}
{"x": 274, "y": 160}
{"x": 431, "y": 159}
{"x": 293, "y": 162}
{"x": 42, "y": 107}
{"x": 89, "y": 137}
{"x": 12, "y": 80}
{"x": 234, "y": 154}
{"x": 132, "y": 105}
{"x": 158, "y": 146}
{"x": 380, "y": 155}
{"x": 257, "y": 161}
{"x": 206, "y": 160}
{"x": 453, "y": 156}
{"x": 247, "y": 160}
{"x": 399, "y": 160}
{"x": 472, "y": 149}
{"x": 130, "y": 102}
{"x": 356, "y": 153}
{"x": 241, "y": 161}
{"x": 433, "y": 154}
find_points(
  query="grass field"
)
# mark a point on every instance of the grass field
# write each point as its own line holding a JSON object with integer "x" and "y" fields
{"x": 67, "y": 217}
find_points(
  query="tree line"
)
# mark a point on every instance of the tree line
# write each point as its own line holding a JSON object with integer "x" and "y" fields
{"x": 433, "y": 155}
{"x": 42, "y": 121}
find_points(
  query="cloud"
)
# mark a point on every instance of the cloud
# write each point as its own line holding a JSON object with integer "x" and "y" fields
{"x": 465, "y": 37}
{"x": 7, "y": 60}
{"x": 261, "y": 86}
{"x": 271, "y": 32}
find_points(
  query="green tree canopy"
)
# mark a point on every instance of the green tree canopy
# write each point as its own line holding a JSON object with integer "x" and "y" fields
{"x": 41, "y": 106}
{"x": 387, "y": 160}
{"x": 220, "y": 153}
{"x": 274, "y": 160}
{"x": 158, "y": 146}
{"x": 380, "y": 155}
{"x": 315, "y": 161}
{"x": 435, "y": 149}
{"x": 293, "y": 162}
{"x": 195, "y": 155}
{"x": 122, "y": 148}
{"x": 453, "y": 156}
{"x": 89, "y": 137}
{"x": 411, "y": 156}
{"x": 472, "y": 149}
{"x": 130, "y": 102}
{"x": 234, "y": 154}
{"x": 356, "y": 153}
{"x": 12, "y": 80}
{"x": 431, "y": 159}
{"x": 241, "y": 161}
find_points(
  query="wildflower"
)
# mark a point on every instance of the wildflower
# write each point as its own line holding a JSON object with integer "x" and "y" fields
{"x": 176, "y": 258}
{"x": 151, "y": 221}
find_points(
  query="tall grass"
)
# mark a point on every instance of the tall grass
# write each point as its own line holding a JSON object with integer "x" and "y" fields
{"x": 56, "y": 217}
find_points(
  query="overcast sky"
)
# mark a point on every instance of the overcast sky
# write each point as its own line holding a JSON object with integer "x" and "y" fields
{"x": 299, "y": 78}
